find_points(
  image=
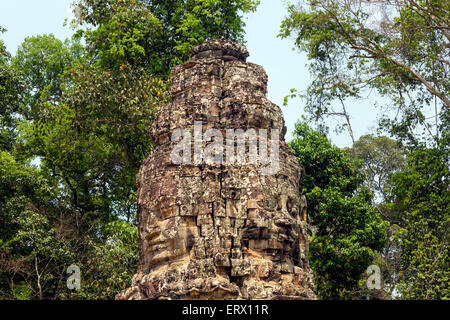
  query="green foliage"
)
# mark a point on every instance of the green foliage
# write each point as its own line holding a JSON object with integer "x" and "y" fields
{"x": 21, "y": 292}
{"x": 31, "y": 248}
{"x": 41, "y": 237}
{"x": 42, "y": 61}
{"x": 82, "y": 114}
{"x": 110, "y": 263}
{"x": 10, "y": 87}
{"x": 19, "y": 186}
{"x": 119, "y": 106}
{"x": 348, "y": 231}
{"x": 158, "y": 35}
{"x": 381, "y": 157}
{"x": 422, "y": 201}
{"x": 401, "y": 52}
{"x": 95, "y": 138}
{"x": 123, "y": 33}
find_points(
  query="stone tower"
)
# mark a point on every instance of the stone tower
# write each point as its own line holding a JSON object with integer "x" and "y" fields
{"x": 220, "y": 231}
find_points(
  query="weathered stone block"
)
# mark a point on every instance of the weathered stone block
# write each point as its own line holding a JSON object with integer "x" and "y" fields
{"x": 220, "y": 231}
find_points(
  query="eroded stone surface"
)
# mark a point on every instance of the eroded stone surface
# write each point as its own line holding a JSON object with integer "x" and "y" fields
{"x": 220, "y": 231}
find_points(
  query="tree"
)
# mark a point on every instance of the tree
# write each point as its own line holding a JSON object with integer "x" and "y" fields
{"x": 29, "y": 246}
{"x": 422, "y": 200}
{"x": 398, "y": 49}
{"x": 10, "y": 87}
{"x": 42, "y": 61}
{"x": 155, "y": 34}
{"x": 421, "y": 203}
{"x": 83, "y": 115}
{"x": 95, "y": 137}
{"x": 110, "y": 263}
{"x": 402, "y": 54}
{"x": 33, "y": 250}
{"x": 381, "y": 157}
{"x": 41, "y": 237}
{"x": 347, "y": 230}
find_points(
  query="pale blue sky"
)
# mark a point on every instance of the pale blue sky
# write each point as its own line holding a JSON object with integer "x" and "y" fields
{"x": 286, "y": 68}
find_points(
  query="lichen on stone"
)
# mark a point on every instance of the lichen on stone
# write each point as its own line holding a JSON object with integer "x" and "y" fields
{"x": 220, "y": 231}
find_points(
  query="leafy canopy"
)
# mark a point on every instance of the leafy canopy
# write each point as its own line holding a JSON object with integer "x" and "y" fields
{"x": 398, "y": 48}
{"x": 155, "y": 34}
{"x": 347, "y": 230}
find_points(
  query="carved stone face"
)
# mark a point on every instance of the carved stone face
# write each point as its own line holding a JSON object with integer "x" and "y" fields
{"x": 233, "y": 221}
{"x": 220, "y": 231}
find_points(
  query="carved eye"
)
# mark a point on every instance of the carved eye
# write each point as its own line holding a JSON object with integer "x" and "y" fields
{"x": 290, "y": 205}
{"x": 279, "y": 204}
{"x": 235, "y": 194}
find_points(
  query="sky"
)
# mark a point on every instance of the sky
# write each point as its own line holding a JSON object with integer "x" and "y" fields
{"x": 286, "y": 68}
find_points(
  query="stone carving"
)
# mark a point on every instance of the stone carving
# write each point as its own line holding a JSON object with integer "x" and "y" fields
{"x": 220, "y": 231}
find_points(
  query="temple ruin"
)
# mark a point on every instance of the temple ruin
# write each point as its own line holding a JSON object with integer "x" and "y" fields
{"x": 220, "y": 231}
